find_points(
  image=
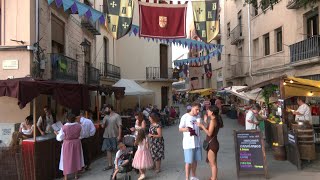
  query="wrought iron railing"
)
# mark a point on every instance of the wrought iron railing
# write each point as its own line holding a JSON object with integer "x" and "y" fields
{"x": 92, "y": 75}
{"x": 63, "y": 68}
{"x": 236, "y": 34}
{"x": 156, "y": 73}
{"x": 294, "y": 4}
{"x": 93, "y": 27}
{"x": 305, "y": 49}
{"x": 109, "y": 71}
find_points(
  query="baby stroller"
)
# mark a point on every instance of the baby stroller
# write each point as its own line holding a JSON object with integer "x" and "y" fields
{"x": 128, "y": 140}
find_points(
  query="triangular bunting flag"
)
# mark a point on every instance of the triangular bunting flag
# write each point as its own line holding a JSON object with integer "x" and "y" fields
{"x": 82, "y": 9}
{"x": 95, "y": 15}
{"x": 102, "y": 20}
{"x": 50, "y": 1}
{"x": 59, "y": 3}
{"x": 88, "y": 14}
{"x": 74, "y": 8}
{"x": 67, "y": 4}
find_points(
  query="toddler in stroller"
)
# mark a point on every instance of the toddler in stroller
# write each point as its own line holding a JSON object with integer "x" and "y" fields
{"x": 124, "y": 157}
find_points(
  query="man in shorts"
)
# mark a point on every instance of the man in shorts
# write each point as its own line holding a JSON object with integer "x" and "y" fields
{"x": 191, "y": 140}
{"x": 112, "y": 134}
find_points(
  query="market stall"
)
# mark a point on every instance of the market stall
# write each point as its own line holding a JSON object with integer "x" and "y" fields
{"x": 41, "y": 154}
{"x": 242, "y": 101}
{"x": 283, "y": 123}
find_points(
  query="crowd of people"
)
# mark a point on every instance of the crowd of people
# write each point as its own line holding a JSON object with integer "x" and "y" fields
{"x": 76, "y": 132}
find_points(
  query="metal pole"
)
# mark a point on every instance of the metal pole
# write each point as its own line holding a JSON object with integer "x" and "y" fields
{"x": 34, "y": 138}
{"x": 98, "y": 108}
{"x": 249, "y": 32}
{"x": 34, "y": 120}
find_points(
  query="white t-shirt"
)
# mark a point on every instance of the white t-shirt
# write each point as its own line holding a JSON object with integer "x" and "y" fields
{"x": 118, "y": 155}
{"x": 305, "y": 110}
{"x": 250, "y": 116}
{"x": 190, "y": 142}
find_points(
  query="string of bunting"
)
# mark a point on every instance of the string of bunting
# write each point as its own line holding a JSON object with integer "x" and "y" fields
{"x": 197, "y": 59}
{"x": 84, "y": 10}
{"x": 189, "y": 43}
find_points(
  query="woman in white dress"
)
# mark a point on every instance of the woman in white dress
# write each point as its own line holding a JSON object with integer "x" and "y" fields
{"x": 26, "y": 128}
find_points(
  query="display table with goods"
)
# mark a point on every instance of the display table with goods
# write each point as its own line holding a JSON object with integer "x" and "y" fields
{"x": 41, "y": 157}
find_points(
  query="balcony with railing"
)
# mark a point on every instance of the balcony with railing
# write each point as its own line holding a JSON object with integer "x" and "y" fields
{"x": 92, "y": 75}
{"x": 294, "y": 4}
{"x": 156, "y": 74}
{"x": 63, "y": 68}
{"x": 109, "y": 71}
{"x": 91, "y": 26}
{"x": 236, "y": 35}
{"x": 306, "y": 49}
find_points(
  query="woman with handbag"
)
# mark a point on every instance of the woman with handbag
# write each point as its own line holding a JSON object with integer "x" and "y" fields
{"x": 211, "y": 144}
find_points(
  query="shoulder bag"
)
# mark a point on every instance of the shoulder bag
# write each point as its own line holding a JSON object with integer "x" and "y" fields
{"x": 206, "y": 143}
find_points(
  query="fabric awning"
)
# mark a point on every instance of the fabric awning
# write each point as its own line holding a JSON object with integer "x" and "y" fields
{"x": 203, "y": 92}
{"x": 74, "y": 96}
{"x": 254, "y": 94}
{"x": 132, "y": 88}
{"x": 293, "y": 86}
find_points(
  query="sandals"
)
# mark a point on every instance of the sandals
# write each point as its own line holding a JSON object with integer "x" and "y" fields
{"x": 158, "y": 171}
{"x": 107, "y": 168}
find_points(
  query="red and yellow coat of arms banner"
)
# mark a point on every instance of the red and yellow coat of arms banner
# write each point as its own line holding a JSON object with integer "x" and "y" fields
{"x": 162, "y": 20}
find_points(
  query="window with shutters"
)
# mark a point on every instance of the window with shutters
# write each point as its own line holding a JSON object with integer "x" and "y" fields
{"x": 57, "y": 35}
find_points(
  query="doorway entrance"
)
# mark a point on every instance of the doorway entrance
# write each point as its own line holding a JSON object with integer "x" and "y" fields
{"x": 164, "y": 96}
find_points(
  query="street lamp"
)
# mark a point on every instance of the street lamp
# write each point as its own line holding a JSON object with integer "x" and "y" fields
{"x": 84, "y": 46}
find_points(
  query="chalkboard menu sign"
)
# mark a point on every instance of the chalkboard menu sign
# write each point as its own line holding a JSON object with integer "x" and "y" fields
{"x": 293, "y": 154}
{"x": 250, "y": 153}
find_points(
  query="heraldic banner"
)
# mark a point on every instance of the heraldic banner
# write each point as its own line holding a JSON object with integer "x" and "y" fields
{"x": 206, "y": 22}
{"x": 162, "y": 20}
{"x": 119, "y": 17}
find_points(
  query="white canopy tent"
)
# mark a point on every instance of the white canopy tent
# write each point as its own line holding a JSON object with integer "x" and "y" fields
{"x": 255, "y": 94}
{"x": 133, "y": 88}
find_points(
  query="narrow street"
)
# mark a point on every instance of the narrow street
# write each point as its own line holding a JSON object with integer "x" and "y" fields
{"x": 173, "y": 165}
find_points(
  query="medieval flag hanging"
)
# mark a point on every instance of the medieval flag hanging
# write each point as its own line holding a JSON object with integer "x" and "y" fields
{"x": 162, "y": 20}
{"x": 206, "y": 21}
{"x": 119, "y": 17}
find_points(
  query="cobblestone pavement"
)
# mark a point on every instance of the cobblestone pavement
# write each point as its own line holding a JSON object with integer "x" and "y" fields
{"x": 173, "y": 165}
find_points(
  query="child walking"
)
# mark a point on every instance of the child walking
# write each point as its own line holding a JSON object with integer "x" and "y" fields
{"x": 142, "y": 159}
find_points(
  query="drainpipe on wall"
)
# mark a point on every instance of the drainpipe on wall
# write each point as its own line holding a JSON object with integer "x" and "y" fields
{"x": 37, "y": 22}
{"x": 249, "y": 33}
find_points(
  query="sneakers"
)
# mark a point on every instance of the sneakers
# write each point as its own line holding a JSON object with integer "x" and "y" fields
{"x": 143, "y": 176}
{"x": 194, "y": 178}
